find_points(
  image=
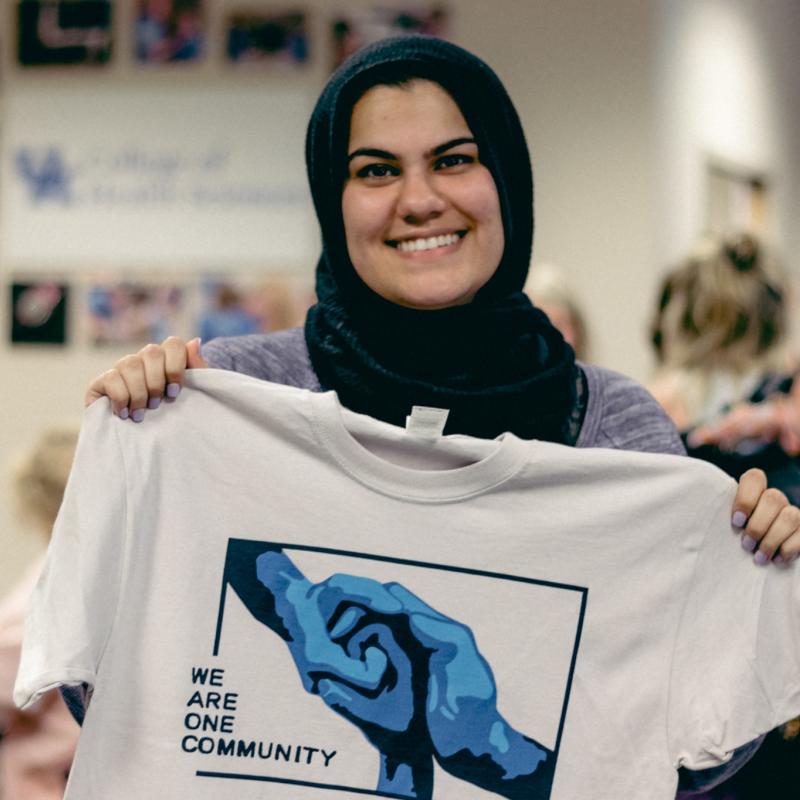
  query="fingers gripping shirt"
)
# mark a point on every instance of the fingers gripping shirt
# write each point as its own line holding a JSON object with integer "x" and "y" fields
{"x": 274, "y": 597}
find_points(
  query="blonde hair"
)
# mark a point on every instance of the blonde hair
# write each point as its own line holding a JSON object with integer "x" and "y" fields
{"x": 722, "y": 308}
{"x": 40, "y": 478}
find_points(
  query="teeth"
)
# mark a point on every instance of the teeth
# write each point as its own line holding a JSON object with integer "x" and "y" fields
{"x": 415, "y": 245}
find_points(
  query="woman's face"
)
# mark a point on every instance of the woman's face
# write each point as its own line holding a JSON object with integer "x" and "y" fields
{"x": 421, "y": 213}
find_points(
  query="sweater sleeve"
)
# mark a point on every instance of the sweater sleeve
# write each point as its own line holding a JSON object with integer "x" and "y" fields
{"x": 280, "y": 357}
{"x": 621, "y": 414}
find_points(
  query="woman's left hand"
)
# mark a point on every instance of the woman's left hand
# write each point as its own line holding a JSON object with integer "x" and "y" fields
{"x": 770, "y": 524}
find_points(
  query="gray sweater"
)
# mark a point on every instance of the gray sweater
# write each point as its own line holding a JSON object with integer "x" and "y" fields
{"x": 620, "y": 413}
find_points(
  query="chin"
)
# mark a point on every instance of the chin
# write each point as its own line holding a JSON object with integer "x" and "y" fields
{"x": 432, "y": 302}
{"x": 430, "y": 291}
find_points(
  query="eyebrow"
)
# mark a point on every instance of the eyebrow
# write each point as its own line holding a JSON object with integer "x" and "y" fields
{"x": 442, "y": 148}
{"x": 385, "y": 154}
{"x": 369, "y": 151}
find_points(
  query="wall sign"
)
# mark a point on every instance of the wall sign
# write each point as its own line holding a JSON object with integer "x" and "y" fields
{"x": 141, "y": 177}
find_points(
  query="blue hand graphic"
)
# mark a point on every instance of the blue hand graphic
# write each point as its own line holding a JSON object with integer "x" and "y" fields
{"x": 359, "y": 665}
{"x": 411, "y": 679}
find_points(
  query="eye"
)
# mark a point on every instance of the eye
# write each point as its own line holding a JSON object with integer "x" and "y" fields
{"x": 453, "y": 160}
{"x": 377, "y": 171}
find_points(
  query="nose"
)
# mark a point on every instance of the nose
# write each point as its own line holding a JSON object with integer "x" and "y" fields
{"x": 420, "y": 200}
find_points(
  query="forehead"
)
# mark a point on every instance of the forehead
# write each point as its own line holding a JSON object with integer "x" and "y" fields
{"x": 419, "y": 108}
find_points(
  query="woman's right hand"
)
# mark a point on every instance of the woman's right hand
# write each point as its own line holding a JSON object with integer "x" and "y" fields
{"x": 141, "y": 380}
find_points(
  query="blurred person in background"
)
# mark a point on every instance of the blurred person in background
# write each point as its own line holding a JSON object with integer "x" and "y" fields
{"x": 548, "y": 288}
{"x": 719, "y": 333}
{"x": 36, "y": 746}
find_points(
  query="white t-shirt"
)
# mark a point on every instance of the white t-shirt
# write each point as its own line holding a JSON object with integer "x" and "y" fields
{"x": 275, "y": 597}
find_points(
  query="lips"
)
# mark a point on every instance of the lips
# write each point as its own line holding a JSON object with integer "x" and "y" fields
{"x": 422, "y": 243}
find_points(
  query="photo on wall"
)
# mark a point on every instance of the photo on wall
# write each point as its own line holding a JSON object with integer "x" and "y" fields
{"x": 170, "y": 31}
{"x": 61, "y": 32}
{"x": 268, "y": 39}
{"x": 236, "y": 307}
{"x": 133, "y": 314}
{"x": 353, "y": 30}
{"x": 38, "y": 312}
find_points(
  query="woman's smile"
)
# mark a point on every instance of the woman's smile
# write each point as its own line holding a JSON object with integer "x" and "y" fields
{"x": 431, "y": 244}
{"x": 421, "y": 212}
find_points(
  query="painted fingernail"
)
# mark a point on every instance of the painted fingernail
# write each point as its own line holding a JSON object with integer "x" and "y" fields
{"x": 760, "y": 558}
{"x": 779, "y": 559}
{"x": 153, "y": 403}
{"x": 173, "y": 390}
{"x": 738, "y": 519}
{"x": 138, "y": 415}
{"x": 123, "y": 413}
{"x": 749, "y": 543}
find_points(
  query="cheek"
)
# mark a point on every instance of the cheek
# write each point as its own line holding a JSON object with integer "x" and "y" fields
{"x": 498, "y": 238}
{"x": 350, "y": 213}
{"x": 363, "y": 212}
{"x": 364, "y": 215}
{"x": 362, "y": 231}
{"x": 485, "y": 204}
{"x": 494, "y": 238}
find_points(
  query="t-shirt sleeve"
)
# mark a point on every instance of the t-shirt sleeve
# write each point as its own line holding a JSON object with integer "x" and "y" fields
{"x": 73, "y": 606}
{"x": 736, "y": 662}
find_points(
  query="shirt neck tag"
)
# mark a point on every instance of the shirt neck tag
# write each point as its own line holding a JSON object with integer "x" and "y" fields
{"x": 425, "y": 422}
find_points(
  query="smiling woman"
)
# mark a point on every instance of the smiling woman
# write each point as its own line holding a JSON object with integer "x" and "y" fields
{"x": 420, "y": 140}
{"x": 421, "y": 180}
{"x": 422, "y": 184}
{"x": 421, "y": 212}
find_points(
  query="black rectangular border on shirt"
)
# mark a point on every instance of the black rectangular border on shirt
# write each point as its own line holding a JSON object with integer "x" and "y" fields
{"x": 287, "y": 546}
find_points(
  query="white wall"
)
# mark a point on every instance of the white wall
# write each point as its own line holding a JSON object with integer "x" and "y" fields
{"x": 727, "y": 85}
{"x": 620, "y": 100}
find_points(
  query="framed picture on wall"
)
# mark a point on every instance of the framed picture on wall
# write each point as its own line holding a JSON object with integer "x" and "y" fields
{"x": 170, "y": 31}
{"x": 266, "y": 38}
{"x": 60, "y": 32}
{"x": 38, "y": 312}
{"x": 352, "y": 30}
{"x": 235, "y": 306}
{"x": 134, "y": 313}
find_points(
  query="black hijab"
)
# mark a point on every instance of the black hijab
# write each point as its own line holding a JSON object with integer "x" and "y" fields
{"x": 496, "y": 363}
